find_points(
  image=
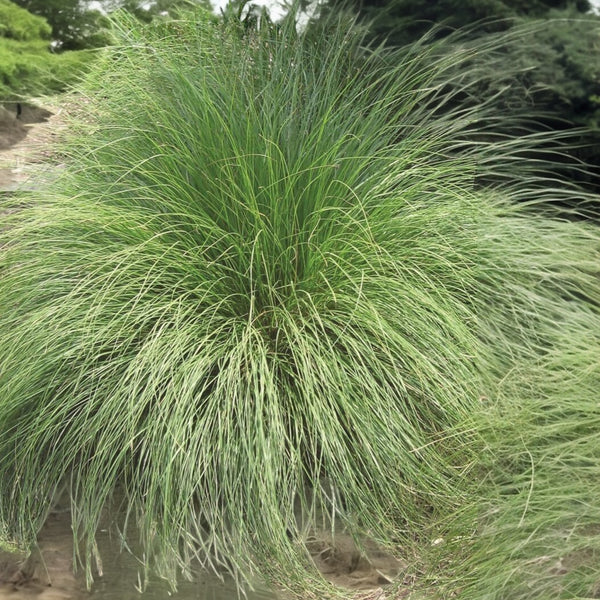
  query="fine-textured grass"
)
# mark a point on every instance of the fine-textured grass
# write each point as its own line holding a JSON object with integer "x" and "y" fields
{"x": 267, "y": 285}
{"x": 531, "y": 529}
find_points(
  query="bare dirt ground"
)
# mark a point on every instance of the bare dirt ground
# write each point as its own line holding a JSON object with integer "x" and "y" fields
{"x": 47, "y": 574}
{"x": 25, "y": 140}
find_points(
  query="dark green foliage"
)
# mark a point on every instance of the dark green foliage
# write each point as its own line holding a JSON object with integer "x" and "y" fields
{"x": 552, "y": 72}
{"x": 566, "y": 54}
{"x": 559, "y": 83}
{"x": 27, "y": 65}
{"x": 562, "y": 82}
{"x": 74, "y": 24}
{"x": 400, "y": 22}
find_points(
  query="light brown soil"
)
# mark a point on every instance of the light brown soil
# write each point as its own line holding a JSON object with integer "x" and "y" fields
{"x": 47, "y": 574}
{"x": 25, "y": 141}
{"x": 341, "y": 563}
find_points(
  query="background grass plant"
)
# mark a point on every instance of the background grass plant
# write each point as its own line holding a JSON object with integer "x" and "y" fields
{"x": 267, "y": 285}
{"x": 531, "y": 528}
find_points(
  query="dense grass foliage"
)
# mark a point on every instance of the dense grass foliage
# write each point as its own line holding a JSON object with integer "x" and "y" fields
{"x": 531, "y": 530}
{"x": 268, "y": 285}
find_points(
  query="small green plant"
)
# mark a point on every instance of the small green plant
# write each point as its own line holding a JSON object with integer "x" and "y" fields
{"x": 267, "y": 284}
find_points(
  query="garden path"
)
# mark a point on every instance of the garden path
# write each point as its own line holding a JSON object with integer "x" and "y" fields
{"x": 25, "y": 141}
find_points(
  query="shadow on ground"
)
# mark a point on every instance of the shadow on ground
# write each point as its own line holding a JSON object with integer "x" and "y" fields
{"x": 16, "y": 119}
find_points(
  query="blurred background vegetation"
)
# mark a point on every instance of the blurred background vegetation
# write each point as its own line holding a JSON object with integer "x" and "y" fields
{"x": 28, "y": 66}
{"x": 558, "y": 57}
{"x": 562, "y": 56}
{"x": 45, "y": 45}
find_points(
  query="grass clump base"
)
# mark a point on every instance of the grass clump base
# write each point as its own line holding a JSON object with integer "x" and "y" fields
{"x": 267, "y": 287}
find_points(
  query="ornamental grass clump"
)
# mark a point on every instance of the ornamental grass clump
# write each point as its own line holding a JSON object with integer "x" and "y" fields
{"x": 266, "y": 287}
{"x": 531, "y": 528}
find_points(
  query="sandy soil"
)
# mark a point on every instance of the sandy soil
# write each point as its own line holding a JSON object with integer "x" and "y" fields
{"x": 25, "y": 141}
{"x": 341, "y": 563}
{"x": 47, "y": 574}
